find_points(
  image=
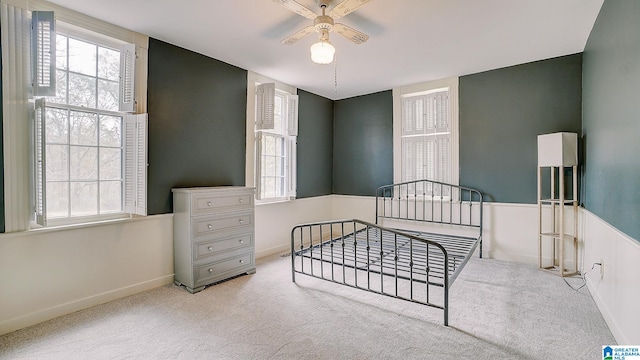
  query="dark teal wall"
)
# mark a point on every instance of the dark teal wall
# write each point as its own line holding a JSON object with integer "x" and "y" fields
{"x": 315, "y": 145}
{"x": 197, "y": 123}
{"x": 2, "y": 224}
{"x": 611, "y": 112}
{"x": 363, "y": 144}
{"x": 501, "y": 114}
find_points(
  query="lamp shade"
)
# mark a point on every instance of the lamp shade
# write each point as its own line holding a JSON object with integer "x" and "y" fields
{"x": 558, "y": 149}
{"x": 322, "y": 52}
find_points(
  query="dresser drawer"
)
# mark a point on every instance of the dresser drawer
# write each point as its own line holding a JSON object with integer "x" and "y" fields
{"x": 213, "y": 247}
{"x": 204, "y": 226}
{"x": 223, "y": 269}
{"x": 211, "y": 203}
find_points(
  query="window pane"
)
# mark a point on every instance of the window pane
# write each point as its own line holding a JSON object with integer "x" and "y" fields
{"x": 110, "y": 164}
{"x": 268, "y": 187}
{"x": 82, "y": 57}
{"x": 84, "y": 198}
{"x": 57, "y": 199}
{"x": 82, "y": 90}
{"x": 57, "y": 166}
{"x": 269, "y": 145}
{"x": 108, "y": 64}
{"x": 110, "y": 131}
{"x": 110, "y": 196}
{"x": 84, "y": 163}
{"x": 56, "y": 126}
{"x": 61, "y": 52}
{"x": 84, "y": 128}
{"x": 108, "y": 95}
{"x": 61, "y": 88}
{"x": 279, "y": 166}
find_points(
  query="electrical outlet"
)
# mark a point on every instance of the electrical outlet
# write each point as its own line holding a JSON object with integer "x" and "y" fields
{"x": 601, "y": 269}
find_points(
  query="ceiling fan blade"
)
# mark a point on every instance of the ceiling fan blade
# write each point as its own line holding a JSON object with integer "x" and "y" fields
{"x": 351, "y": 33}
{"x": 345, "y": 8}
{"x": 297, "y": 36}
{"x": 297, "y": 8}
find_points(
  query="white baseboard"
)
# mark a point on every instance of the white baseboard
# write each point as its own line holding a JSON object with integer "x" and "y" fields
{"x": 273, "y": 250}
{"x": 39, "y": 316}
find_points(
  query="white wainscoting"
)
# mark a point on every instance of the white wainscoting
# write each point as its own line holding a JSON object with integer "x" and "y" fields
{"x": 49, "y": 273}
{"x": 510, "y": 230}
{"x": 616, "y": 292}
{"x": 274, "y": 222}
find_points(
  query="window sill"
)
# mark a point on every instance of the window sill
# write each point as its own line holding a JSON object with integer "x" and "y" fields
{"x": 273, "y": 201}
{"x": 84, "y": 225}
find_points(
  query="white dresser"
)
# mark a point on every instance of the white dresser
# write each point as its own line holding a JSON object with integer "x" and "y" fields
{"x": 213, "y": 234}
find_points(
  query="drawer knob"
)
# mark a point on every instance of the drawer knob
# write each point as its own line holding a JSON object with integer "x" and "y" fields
{"x": 210, "y": 270}
{"x": 209, "y": 203}
{"x": 240, "y": 200}
{"x": 209, "y": 248}
{"x": 241, "y": 261}
{"x": 241, "y": 241}
{"x": 210, "y": 226}
{"x": 241, "y": 221}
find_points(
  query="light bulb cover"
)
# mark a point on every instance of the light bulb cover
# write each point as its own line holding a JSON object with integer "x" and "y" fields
{"x": 322, "y": 52}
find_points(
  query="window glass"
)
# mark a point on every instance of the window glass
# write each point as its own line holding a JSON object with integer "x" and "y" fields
{"x": 83, "y": 128}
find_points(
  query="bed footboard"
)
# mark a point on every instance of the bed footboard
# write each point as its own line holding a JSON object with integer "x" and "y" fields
{"x": 399, "y": 264}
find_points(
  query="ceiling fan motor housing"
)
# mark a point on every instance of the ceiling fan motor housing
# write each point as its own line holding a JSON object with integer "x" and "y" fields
{"x": 323, "y": 22}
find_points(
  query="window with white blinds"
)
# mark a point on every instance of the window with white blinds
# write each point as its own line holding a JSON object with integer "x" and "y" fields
{"x": 425, "y": 133}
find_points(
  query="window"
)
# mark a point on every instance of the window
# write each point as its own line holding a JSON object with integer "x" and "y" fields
{"x": 81, "y": 131}
{"x": 88, "y": 151}
{"x": 426, "y": 133}
{"x": 272, "y": 121}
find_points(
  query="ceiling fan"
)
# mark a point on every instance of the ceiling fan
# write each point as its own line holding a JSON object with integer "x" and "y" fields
{"x": 322, "y": 52}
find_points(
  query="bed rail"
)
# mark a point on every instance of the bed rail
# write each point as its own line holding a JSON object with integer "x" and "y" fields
{"x": 386, "y": 261}
{"x": 431, "y": 202}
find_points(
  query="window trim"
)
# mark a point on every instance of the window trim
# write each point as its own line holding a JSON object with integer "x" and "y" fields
{"x": 252, "y": 80}
{"x": 398, "y": 94}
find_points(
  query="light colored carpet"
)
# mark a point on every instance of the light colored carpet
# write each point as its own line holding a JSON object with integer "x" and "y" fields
{"x": 499, "y": 310}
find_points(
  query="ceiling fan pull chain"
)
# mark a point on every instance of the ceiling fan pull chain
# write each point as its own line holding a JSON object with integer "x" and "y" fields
{"x": 335, "y": 75}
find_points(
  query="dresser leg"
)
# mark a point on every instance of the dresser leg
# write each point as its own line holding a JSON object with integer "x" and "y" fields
{"x": 195, "y": 290}
{"x": 252, "y": 271}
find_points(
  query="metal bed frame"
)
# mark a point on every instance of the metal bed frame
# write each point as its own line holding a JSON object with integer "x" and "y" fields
{"x": 402, "y": 261}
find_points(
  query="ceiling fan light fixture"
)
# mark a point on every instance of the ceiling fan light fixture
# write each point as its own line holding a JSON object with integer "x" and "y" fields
{"x": 322, "y": 52}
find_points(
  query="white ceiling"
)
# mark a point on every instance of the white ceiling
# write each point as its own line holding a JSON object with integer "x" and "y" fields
{"x": 410, "y": 41}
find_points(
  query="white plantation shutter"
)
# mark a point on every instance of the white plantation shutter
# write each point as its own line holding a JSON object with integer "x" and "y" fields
{"x": 265, "y": 104}
{"x": 292, "y": 131}
{"x": 442, "y": 111}
{"x": 258, "y": 170}
{"x": 292, "y": 115}
{"x": 43, "y": 45}
{"x": 39, "y": 162}
{"x": 135, "y": 164}
{"x": 426, "y": 137}
{"x": 291, "y": 167}
{"x": 412, "y": 119}
{"x": 127, "y": 76}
